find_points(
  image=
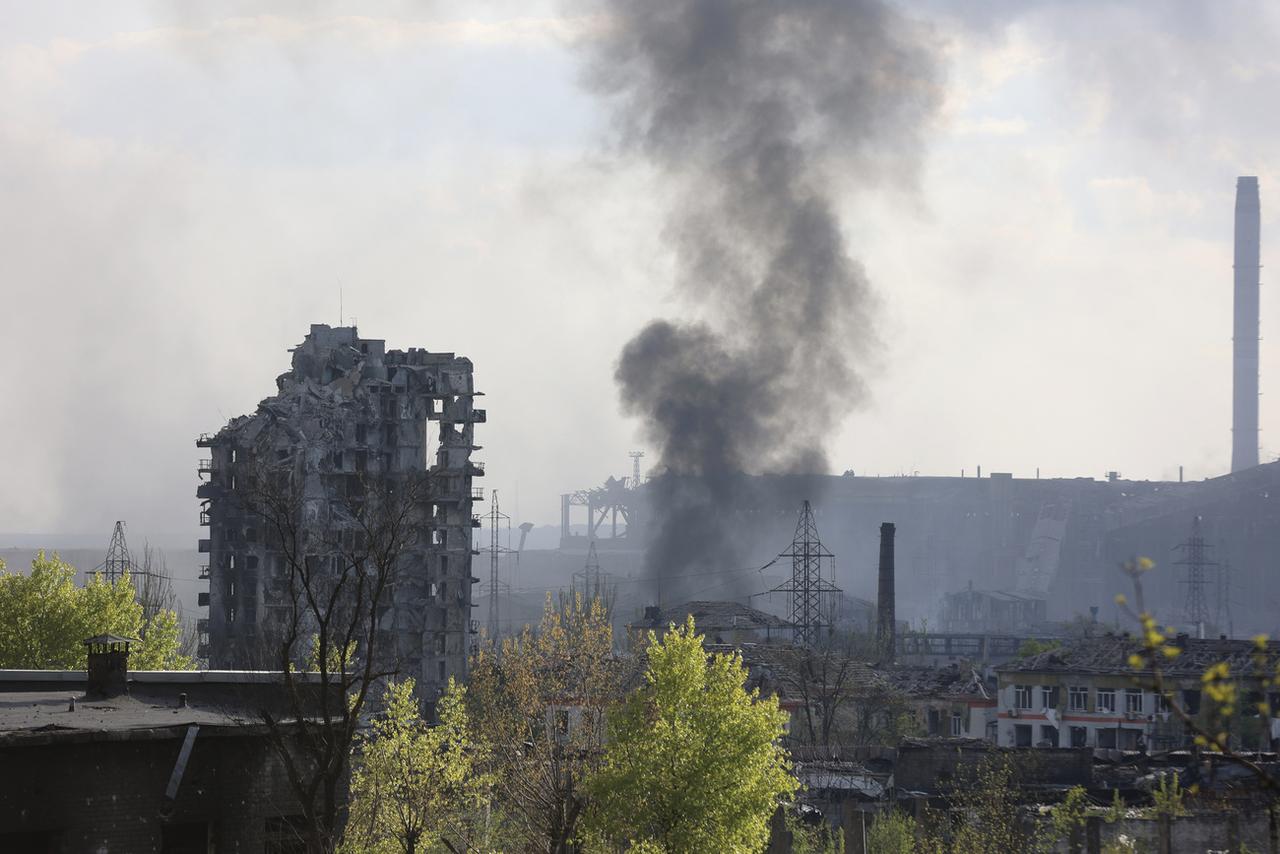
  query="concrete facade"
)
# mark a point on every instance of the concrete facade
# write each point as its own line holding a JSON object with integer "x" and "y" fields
{"x": 347, "y": 413}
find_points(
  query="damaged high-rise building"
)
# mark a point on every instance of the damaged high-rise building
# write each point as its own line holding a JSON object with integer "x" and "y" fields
{"x": 348, "y": 414}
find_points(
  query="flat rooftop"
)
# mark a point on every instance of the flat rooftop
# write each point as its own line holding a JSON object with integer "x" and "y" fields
{"x": 35, "y": 705}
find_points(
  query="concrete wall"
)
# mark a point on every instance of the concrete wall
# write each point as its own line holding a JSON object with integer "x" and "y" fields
{"x": 929, "y": 767}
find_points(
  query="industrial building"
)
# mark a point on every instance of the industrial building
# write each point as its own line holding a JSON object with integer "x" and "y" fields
{"x": 105, "y": 759}
{"x": 347, "y": 414}
{"x": 1051, "y": 545}
{"x": 999, "y": 551}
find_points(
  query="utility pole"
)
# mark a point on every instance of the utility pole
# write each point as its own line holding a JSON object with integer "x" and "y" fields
{"x": 812, "y": 596}
{"x": 1195, "y": 559}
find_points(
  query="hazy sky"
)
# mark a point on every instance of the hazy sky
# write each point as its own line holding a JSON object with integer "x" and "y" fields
{"x": 182, "y": 194}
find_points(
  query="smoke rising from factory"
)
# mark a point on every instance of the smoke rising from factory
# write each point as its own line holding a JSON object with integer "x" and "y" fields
{"x": 756, "y": 114}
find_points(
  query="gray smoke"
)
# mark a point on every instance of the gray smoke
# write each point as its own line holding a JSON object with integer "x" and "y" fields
{"x": 758, "y": 114}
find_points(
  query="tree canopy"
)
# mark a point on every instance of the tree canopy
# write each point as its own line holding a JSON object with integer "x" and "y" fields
{"x": 538, "y": 701}
{"x": 416, "y": 787}
{"x": 693, "y": 761}
{"x": 45, "y": 617}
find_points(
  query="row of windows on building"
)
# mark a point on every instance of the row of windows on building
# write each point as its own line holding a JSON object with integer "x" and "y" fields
{"x": 1134, "y": 699}
{"x": 1078, "y": 736}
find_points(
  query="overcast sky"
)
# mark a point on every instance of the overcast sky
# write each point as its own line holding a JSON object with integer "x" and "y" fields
{"x": 181, "y": 195}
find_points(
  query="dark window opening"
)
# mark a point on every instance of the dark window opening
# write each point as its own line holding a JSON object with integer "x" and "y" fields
{"x": 1079, "y": 736}
{"x": 190, "y": 838}
{"x": 1191, "y": 701}
{"x": 1022, "y": 735}
{"x": 285, "y": 835}
{"x": 27, "y": 842}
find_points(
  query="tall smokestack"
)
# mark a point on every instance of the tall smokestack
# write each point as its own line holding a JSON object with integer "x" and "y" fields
{"x": 1244, "y": 406}
{"x": 886, "y": 642}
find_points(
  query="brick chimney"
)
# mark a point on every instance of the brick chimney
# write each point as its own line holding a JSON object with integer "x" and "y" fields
{"x": 886, "y": 627}
{"x": 108, "y": 665}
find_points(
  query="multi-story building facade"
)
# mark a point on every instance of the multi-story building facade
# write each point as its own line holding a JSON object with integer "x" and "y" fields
{"x": 1087, "y": 694}
{"x": 349, "y": 413}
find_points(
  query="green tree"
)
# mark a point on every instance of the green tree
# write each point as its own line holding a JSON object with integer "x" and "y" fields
{"x": 1031, "y": 647}
{"x": 984, "y": 816}
{"x": 1067, "y": 820}
{"x": 45, "y": 617}
{"x": 893, "y": 832}
{"x": 416, "y": 787}
{"x": 693, "y": 762}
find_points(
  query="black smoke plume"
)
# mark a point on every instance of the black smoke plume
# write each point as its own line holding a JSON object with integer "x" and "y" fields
{"x": 758, "y": 115}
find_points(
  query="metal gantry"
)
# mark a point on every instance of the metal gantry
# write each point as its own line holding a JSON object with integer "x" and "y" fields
{"x": 812, "y": 596}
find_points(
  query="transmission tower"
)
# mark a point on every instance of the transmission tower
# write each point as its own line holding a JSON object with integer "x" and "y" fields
{"x": 1195, "y": 558}
{"x": 636, "y": 456}
{"x": 812, "y": 596}
{"x": 497, "y": 521}
{"x": 591, "y": 579}
{"x": 118, "y": 560}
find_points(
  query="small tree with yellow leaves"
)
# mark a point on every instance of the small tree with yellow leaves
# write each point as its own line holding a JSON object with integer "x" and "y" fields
{"x": 538, "y": 703}
{"x": 1210, "y": 728}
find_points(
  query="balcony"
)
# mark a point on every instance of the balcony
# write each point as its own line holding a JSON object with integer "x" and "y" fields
{"x": 475, "y": 469}
{"x": 475, "y": 520}
{"x": 478, "y": 416}
{"x": 205, "y": 440}
{"x": 202, "y": 626}
{"x": 202, "y": 599}
{"x": 209, "y": 489}
{"x": 473, "y": 626}
{"x": 204, "y": 518}
{"x": 204, "y": 546}
{"x": 205, "y": 467}
{"x": 477, "y": 493}
{"x": 204, "y": 572}
{"x": 202, "y": 651}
